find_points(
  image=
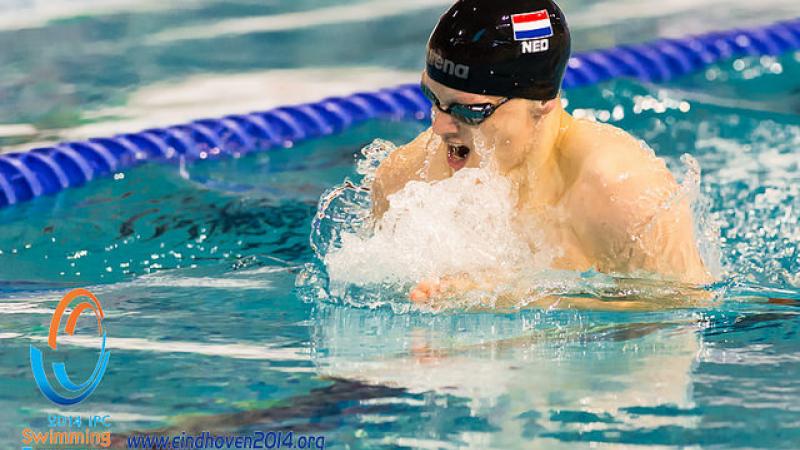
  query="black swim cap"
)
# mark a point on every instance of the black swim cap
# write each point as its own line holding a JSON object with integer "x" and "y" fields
{"x": 507, "y": 48}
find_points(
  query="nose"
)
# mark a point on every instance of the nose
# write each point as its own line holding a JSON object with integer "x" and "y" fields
{"x": 444, "y": 124}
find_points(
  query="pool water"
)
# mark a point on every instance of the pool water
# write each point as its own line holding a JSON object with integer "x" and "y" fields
{"x": 196, "y": 269}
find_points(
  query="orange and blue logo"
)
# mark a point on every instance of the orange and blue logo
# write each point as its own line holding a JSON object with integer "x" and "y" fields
{"x": 69, "y": 392}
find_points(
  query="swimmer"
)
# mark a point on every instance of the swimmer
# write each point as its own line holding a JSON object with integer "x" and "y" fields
{"x": 494, "y": 72}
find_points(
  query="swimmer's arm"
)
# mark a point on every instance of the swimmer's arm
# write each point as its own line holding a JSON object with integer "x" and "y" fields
{"x": 401, "y": 166}
{"x": 446, "y": 292}
{"x": 638, "y": 220}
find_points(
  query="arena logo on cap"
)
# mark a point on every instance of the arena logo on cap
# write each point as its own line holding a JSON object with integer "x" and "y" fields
{"x": 71, "y": 392}
{"x": 445, "y": 65}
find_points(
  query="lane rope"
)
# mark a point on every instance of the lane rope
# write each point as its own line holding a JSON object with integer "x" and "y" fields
{"x": 48, "y": 170}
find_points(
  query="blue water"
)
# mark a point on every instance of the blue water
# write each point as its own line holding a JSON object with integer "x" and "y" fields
{"x": 196, "y": 270}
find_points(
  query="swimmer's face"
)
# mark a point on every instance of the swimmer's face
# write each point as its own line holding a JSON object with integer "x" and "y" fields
{"x": 502, "y": 137}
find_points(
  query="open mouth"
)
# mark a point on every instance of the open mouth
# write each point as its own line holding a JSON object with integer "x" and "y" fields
{"x": 457, "y": 156}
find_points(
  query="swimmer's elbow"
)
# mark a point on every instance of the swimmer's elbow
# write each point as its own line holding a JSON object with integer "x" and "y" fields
{"x": 667, "y": 245}
{"x": 698, "y": 276}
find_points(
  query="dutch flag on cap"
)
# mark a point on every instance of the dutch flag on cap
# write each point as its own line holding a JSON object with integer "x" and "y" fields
{"x": 533, "y": 25}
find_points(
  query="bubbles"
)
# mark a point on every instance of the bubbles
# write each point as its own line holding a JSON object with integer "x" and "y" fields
{"x": 463, "y": 224}
{"x": 441, "y": 230}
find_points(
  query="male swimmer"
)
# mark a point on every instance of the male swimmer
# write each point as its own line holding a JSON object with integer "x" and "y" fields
{"x": 494, "y": 73}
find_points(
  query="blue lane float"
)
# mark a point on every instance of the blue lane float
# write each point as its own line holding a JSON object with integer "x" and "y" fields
{"x": 44, "y": 171}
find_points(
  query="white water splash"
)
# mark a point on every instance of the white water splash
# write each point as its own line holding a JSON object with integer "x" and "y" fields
{"x": 459, "y": 225}
{"x": 463, "y": 225}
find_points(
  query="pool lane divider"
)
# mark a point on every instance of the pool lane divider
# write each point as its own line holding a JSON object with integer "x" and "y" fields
{"x": 48, "y": 170}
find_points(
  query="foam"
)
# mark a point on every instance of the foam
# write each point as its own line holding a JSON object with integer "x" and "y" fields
{"x": 459, "y": 225}
{"x": 464, "y": 224}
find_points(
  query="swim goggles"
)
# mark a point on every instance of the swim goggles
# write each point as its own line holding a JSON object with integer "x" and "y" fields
{"x": 473, "y": 114}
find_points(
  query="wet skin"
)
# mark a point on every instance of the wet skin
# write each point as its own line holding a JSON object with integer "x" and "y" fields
{"x": 598, "y": 195}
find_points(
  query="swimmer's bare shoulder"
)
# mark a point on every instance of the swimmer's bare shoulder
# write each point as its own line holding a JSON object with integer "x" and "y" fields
{"x": 629, "y": 212}
{"x": 401, "y": 166}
